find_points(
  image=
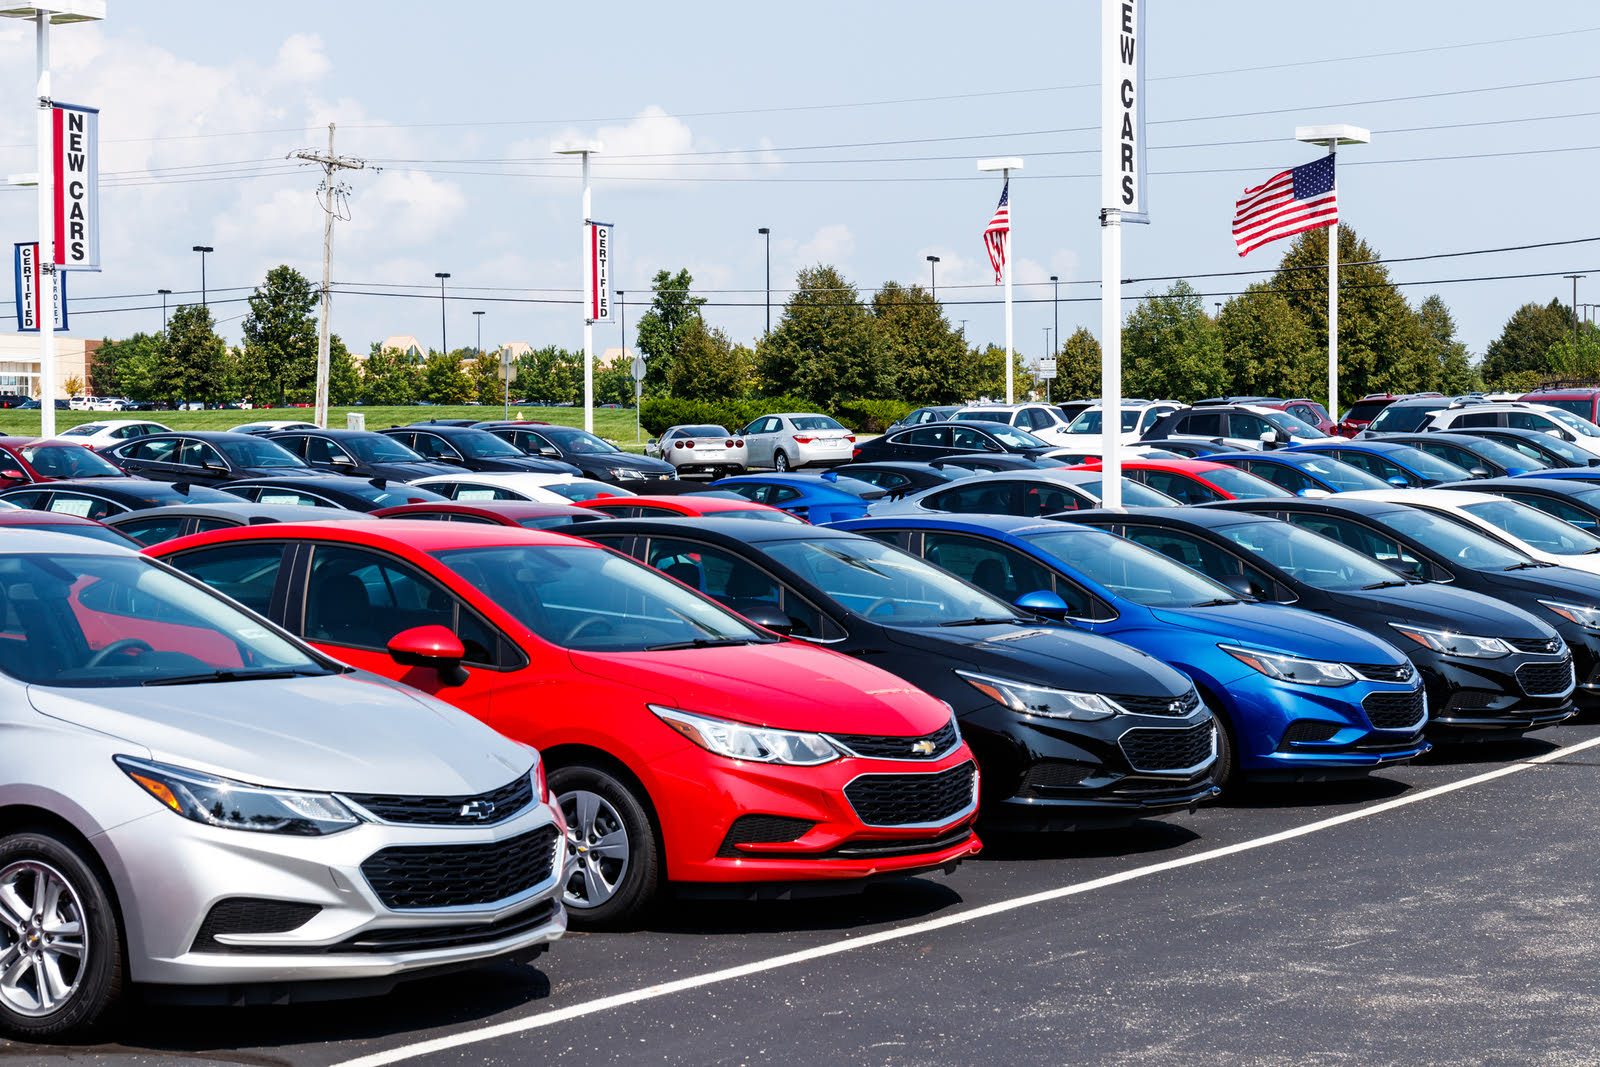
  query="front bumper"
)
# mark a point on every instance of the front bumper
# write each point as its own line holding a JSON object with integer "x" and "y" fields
{"x": 1488, "y": 697}
{"x": 170, "y": 875}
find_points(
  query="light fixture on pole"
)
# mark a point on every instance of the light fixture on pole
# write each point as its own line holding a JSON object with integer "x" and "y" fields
{"x": 585, "y": 149}
{"x": 1055, "y": 306}
{"x": 44, "y": 14}
{"x": 766, "y": 232}
{"x": 933, "y": 277}
{"x": 444, "y": 339}
{"x": 203, "y": 250}
{"x": 1218, "y": 305}
{"x": 1574, "y": 278}
{"x": 1333, "y": 136}
{"x": 164, "y": 294}
{"x": 1005, "y": 165}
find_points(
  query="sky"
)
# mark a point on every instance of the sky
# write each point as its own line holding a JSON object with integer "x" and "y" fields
{"x": 850, "y": 130}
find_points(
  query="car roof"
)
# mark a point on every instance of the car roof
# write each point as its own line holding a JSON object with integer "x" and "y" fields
{"x": 422, "y": 535}
{"x": 141, "y": 489}
{"x": 509, "y": 479}
{"x": 202, "y": 435}
{"x": 692, "y": 502}
{"x": 727, "y": 531}
{"x": 1551, "y": 486}
{"x": 1576, "y": 391}
{"x": 1443, "y": 498}
{"x": 317, "y": 431}
{"x": 1204, "y": 517}
{"x": 1006, "y": 524}
{"x": 510, "y": 509}
{"x": 1379, "y": 445}
{"x": 1336, "y": 503}
{"x": 441, "y": 428}
{"x": 47, "y": 543}
{"x": 30, "y": 517}
{"x": 244, "y": 510}
{"x": 1197, "y": 467}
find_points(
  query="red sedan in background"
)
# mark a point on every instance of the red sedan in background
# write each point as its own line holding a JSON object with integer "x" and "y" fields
{"x": 24, "y": 460}
{"x": 529, "y": 514}
{"x": 1198, "y": 481}
{"x": 685, "y": 744}
{"x": 697, "y": 505}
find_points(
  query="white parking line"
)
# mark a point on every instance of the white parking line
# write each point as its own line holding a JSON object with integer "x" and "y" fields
{"x": 852, "y": 944}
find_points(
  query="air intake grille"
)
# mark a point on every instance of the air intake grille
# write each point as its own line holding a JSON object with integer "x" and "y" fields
{"x": 1154, "y": 750}
{"x": 905, "y": 799}
{"x": 498, "y": 804}
{"x": 1395, "y": 711}
{"x": 1548, "y": 647}
{"x": 1545, "y": 679}
{"x": 1304, "y": 730}
{"x": 249, "y": 915}
{"x": 455, "y": 876}
{"x": 875, "y": 746}
{"x": 761, "y": 829}
{"x": 1186, "y": 704}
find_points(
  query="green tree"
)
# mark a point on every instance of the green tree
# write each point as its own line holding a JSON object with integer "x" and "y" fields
{"x": 390, "y": 377}
{"x": 280, "y": 337}
{"x": 344, "y": 377}
{"x": 1453, "y": 372}
{"x": 127, "y": 367}
{"x": 1171, "y": 348}
{"x": 931, "y": 363}
{"x": 658, "y": 330}
{"x": 487, "y": 385}
{"x": 1524, "y": 343}
{"x": 1078, "y": 367}
{"x": 991, "y": 379}
{"x": 613, "y": 384}
{"x": 826, "y": 347}
{"x": 191, "y": 367}
{"x": 1267, "y": 346}
{"x": 707, "y": 365}
{"x": 445, "y": 379}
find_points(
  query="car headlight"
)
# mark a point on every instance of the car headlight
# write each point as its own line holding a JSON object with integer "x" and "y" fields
{"x": 1292, "y": 668}
{"x": 1454, "y": 644}
{"x": 629, "y": 474}
{"x": 1043, "y": 700}
{"x": 737, "y": 740}
{"x": 215, "y": 801}
{"x": 1587, "y": 617}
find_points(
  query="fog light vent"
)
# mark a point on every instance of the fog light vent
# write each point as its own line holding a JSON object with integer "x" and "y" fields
{"x": 249, "y": 915}
{"x": 762, "y": 830}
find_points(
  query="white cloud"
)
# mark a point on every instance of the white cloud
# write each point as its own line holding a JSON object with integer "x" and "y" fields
{"x": 832, "y": 244}
{"x": 301, "y": 59}
{"x": 634, "y": 151}
{"x": 405, "y": 208}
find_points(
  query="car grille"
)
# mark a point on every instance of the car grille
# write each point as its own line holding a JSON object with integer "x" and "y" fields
{"x": 456, "y": 876}
{"x": 417, "y": 938}
{"x": 875, "y": 746}
{"x": 1395, "y": 711}
{"x": 249, "y": 915}
{"x": 1054, "y": 774}
{"x": 761, "y": 829}
{"x": 1307, "y": 730}
{"x": 1545, "y": 679}
{"x": 501, "y": 804}
{"x": 906, "y": 799}
{"x": 1548, "y": 647}
{"x": 1383, "y": 672}
{"x": 1186, "y": 704}
{"x": 1156, "y": 750}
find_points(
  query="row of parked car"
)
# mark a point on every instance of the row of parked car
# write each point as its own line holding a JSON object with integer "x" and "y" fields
{"x": 268, "y": 758}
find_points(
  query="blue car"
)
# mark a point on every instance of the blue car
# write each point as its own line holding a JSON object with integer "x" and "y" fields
{"x": 816, "y": 498}
{"x": 1400, "y": 465}
{"x": 1301, "y": 473}
{"x": 1302, "y": 697}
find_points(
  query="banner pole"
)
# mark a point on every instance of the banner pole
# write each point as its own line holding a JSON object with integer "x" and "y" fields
{"x": 45, "y": 261}
{"x": 1333, "y": 309}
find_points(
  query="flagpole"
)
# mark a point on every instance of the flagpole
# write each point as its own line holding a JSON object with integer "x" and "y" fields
{"x": 1333, "y": 137}
{"x": 1005, "y": 166}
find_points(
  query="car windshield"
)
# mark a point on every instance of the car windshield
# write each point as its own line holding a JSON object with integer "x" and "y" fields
{"x": 68, "y": 461}
{"x": 385, "y": 496}
{"x": 1364, "y": 410}
{"x": 1576, "y": 455}
{"x": 1452, "y": 540}
{"x": 1403, "y": 418}
{"x": 580, "y": 442}
{"x": 100, "y": 621}
{"x": 885, "y": 584}
{"x": 1134, "y": 494}
{"x": 86, "y": 430}
{"x": 1537, "y": 528}
{"x": 376, "y": 448}
{"x": 1294, "y": 427}
{"x": 592, "y": 600}
{"x": 1574, "y": 423}
{"x": 481, "y": 444}
{"x": 760, "y": 514}
{"x": 815, "y": 422}
{"x": 1016, "y": 438}
{"x": 1509, "y": 458}
{"x": 1243, "y": 485}
{"x": 1089, "y": 421}
{"x": 548, "y": 522}
{"x": 1306, "y": 556}
{"x": 700, "y": 431}
{"x": 1130, "y": 570}
{"x": 257, "y": 452}
{"x": 1340, "y": 475}
{"x": 586, "y": 489}
{"x": 1582, "y": 407}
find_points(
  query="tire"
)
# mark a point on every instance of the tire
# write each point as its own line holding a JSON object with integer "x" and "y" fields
{"x": 780, "y": 461}
{"x": 1225, "y": 772}
{"x": 91, "y": 978}
{"x": 619, "y": 885}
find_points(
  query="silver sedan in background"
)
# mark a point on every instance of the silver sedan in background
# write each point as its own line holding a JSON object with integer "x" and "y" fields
{"x": 791, "y": 440}
{"x": 198, "y": 804}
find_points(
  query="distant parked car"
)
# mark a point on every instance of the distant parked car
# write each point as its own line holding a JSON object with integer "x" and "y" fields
{"x": 494, "y": 485}
{"x": 790, "y": 441}
{"x": 154, "y": 525}
{"x": 358, "y": 454}
{"x": 1198, "y": 481}
{"x": 700, "y": 449}
{"x": 816, "y": 498}
{"x": 273, "y": 425}
{"x": 596, "y": 457}
{"x": 1250, "y": 425}
{"x": 107, "y": 432}
{"x": 1548, "y": 449}
{"x": 1479, "y": 456}
{"x": 921, "y": 416}
{"x": 99, "y": 498}
{"x": 1043, "y": 421}
{"x": 694, "y": 505}
{"x": 1363, "y": 411}
{"x": 329, "y": 491}
{"x": 1137, "y": 416}
{"x": 472, "y": 449}
{"x": 1582, "y": 401}
{"x": 1027, "y": 493}
{"x": 941, "y": 439}
{"x": 528, "y": 514}
{"x": 1397, "y": 464}
{"x": 205, "y": 457}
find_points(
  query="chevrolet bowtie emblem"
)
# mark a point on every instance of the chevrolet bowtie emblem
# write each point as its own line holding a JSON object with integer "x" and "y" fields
{"x": 477, "y": 809}
{"x": 924, "y": 747}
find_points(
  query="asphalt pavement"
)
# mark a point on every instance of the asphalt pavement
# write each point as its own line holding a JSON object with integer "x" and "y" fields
{"x": 1442, "y": 912}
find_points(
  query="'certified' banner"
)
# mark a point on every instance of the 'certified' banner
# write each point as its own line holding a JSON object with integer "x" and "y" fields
{"x": 598, "y": 276}
{"x": 28, "y": 280}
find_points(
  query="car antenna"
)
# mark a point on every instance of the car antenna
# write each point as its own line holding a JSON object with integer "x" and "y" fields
{"x": 378, "y": 483}
{"x": 182, "y": 487}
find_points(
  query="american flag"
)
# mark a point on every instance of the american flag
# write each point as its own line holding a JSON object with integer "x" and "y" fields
{"x": 1289, "y": 203}
{"x": 996, "y": 233}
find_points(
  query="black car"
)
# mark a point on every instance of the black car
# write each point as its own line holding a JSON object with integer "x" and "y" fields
{"x": 1198, "y": 449}
{"x": 330, "y": 491}
{"x": 901, "y": 477}
{"x": 1070, "y": 729}
{"x": 940, "y": 439}
{"x": 358, "y": 453}
{"x": 205, "y": 457}
{"x": 1571, "y": 500}
{"x": 100, "y": 498}
{"x": 1482, "y": 457}
{"x": 1238, "y": 424}
{"x": 154, "y": 525}
{"x": 1550, "y": 450}
{"x": 468, "y": 448}
{"x": 1421, "y": 544}
{"x": 596, "y": 458}
{"x": 1473, "y": 651}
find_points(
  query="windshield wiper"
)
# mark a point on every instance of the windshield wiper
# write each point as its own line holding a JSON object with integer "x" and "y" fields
{"x": 980, "y": 621}
{"x": 226, "y": 675}
{"x": 1526, "y": 565}
{"x": 704, "y": 642}
{"x": 1217, "y": 603}
{"x": 1387, "y": 584}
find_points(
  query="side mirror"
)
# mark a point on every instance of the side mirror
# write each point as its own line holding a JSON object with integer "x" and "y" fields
{"x": 1479, "y": 472}
{"x": 1399, "y": 481}
{"x": 1241, "y": 585}
{"x": 1411, "y": 569}
{"x": 772, "y": 619}
{"x": 550, "y": 450}
{"x": 18, "y": 476}
{"x": 343, "y": 461}
{"x": 1311, "y": 493}
{"x": 430, "y": 646}
{"x": 1044, "y": 603}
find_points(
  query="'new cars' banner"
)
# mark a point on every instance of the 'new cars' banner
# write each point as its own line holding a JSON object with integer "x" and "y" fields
{"x": 77, "y": 187}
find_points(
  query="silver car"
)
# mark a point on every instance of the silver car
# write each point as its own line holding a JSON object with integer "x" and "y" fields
{"x": 198, "y": 804}
{"x": 791, "y": 440}
{"x": 702, "y": 449}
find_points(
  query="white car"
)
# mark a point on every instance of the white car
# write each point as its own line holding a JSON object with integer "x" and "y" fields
{"x": 1536, "y": 534}
{"x": 274, "y": 425}
{"x": 1137, "y": 416}
{"x": 109, "y": 432}
{"x": 791, "y": 440}
{"x": 1517, "y": 416}
{"x": 543, "y": 488}
{"x": 701, "y": 449}
{"x": 1044, "y": 421}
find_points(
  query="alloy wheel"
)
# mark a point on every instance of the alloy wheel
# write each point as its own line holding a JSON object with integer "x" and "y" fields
{"x": 44, "y": 941}
{"x": 597, "y": 840}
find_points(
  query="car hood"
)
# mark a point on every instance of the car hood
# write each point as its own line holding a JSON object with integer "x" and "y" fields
{"x": 1280, "y": 628}
{"x": 1448, "y": 609}
{"x": 406, "y": 470}
{"x": 1047, "y": 655}
{"x": 626, "y": 461}
{"x": 284, "y": 472}
{"x": 786, "y": 684}
{"x": 522, "y": 463}
{"x": 348, "y": 733}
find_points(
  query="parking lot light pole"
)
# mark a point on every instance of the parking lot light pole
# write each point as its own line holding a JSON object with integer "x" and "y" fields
{"x": 478, "y": 315}
{"x": 444, "y": 340}
{"x": 933, "y": 277}
{"x": 203, "y": 250}
{"x": 766, "y": 232}
{"x": 1055, "y": 306}
{"x": 164, "y": 294}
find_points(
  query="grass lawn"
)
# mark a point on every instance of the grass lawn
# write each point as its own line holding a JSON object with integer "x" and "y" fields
{"x": 611, "y": 423}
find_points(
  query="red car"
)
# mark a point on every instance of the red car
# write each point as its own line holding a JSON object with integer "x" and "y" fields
{"x": 698, "y": 505}
{"x": 1363, "y": 411}
{"x": 526, "y": 513}
{"x": 24, "y": 460}
{"x": 686, "y": 745}
{"x": 1198, "y": 481}
{"x": 57, "y": 522}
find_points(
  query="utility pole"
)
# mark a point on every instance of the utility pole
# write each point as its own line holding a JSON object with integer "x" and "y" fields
{"x": 329, "y": 163}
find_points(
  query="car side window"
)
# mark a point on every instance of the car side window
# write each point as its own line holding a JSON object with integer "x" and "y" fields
{"x": 1207, "y": 424}
{"x": 736, "y": 583}
{"x": 1209, "y": 559}
{"x": 247, "y": 571}
{"x": 485, "y": 492}
{"x": 364, "y": 599}
{"x": 295, "y": 444}
{"x": 85, "y": 507}
{"x": 153, "y": 531}
{"x": 624, "y": 511}
{"x": 924, "y": 435}
{"x": 1363, "y": 539}
{"x": 1459, "y": 456}
{"x": 322, "y": 450}
{"x": 975, "y": 440}
{"x": 271, "y": 495}
{"x": 1180, "y": 487}
{"x": 1481, "y": 418}
{"x": 1242, "y": 424}
{"x": 29, "y": 500}
{"x": 1000, "y": 571}
{"x": 1559, "y": 508}
{"x": 432, "y": 446}
{"x": 1279, "y": 474}
{"x": 781, "y": 495}
{"x": 983, "y": 496}
{"x": 160, "y": 451}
